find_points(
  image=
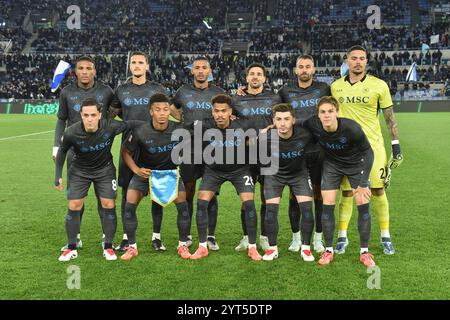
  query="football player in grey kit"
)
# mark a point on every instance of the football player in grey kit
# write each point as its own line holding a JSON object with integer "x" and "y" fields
{"x": 255, "y": 106}
{"x": 131, "y": 102}
{"x": 70, "y": 100}
{"x": 91, "y": 140}
{"x": 228, "y": 142}
{"x": 292, "y": 172}
{"x": 155, "y": 141}
{"x": 190, "y": 103}
{"x": 347, "y": 153}
{"x": 303, "y": 95}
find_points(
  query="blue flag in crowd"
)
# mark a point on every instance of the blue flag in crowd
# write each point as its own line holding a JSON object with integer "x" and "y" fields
{"x": 60, "y": 72}
{"x": 425, "y": 48}
{"x": 412, "y": 73}
{"x": 344, "y": 69}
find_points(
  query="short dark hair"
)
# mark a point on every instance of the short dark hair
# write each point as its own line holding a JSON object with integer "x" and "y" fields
{"x": 328, "y": 99}
{"x": 221, "y": 98}
{"x": 283, "y": 107}
{"x": 305, "y": 57}
{"x": 89, "y": 102}
{"x": 357, "y": 47}
{"x": 139, "y": 53}
{"x": 256, "y": 65}
{"x": 201, "y": 58}
{"x": 84, "y": 58}
{"x": 159, "y": 97}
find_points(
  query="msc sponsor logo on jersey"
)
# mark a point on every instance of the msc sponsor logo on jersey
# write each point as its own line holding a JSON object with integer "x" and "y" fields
{"x": 304, "y": 103}
{"x": 226, "y": 143}
{"x": 74, "y": 98}
{"x": 136, "y": 101}
{"x": 343, "y": 140}
{"x": 258, "y": 111}
{"x": 334, "y": 146}
{"x": 354, "y": 99}
{"x": 288, "y": 154}
{"x": 97, "y": 147}
{"x": 161, "y": 149}
{"x": 199, "y": 105}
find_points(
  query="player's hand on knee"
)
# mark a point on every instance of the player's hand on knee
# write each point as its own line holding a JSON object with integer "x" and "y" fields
{"x": 363, "y": 193}
{"x": 60, "y": 186}
{"x": 143, "y": 172}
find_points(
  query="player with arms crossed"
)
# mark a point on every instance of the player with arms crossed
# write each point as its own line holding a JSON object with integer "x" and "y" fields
{"x": 361, "y": 97}
{"x": 347, "y": 154}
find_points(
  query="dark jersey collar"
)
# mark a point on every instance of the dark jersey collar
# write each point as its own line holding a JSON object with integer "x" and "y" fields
{"x": 347, "y": 78}
{"x": 95, "y": 85}
{"x": 313, "y": 83}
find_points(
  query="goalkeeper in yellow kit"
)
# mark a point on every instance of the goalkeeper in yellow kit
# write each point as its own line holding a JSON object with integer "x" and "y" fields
{"x": 360, "y": 97}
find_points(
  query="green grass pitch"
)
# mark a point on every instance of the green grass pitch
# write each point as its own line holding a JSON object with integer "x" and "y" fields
{"x": 32, "y": 231}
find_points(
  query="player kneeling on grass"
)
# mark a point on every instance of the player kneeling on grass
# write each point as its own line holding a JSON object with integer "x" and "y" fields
{"x": 292, "y": 172}
{"x": 228, "y": 145}
{"x": 347, "y": 153}
{"x": 154, "y": 144}
{"x": 91, "y": 140}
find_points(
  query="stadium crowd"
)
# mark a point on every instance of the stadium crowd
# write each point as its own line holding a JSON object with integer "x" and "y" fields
{"x": 28, "y": 76}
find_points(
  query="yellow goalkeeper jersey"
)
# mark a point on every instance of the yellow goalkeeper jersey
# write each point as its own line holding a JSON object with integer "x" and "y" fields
{"x": 361, "y": 102}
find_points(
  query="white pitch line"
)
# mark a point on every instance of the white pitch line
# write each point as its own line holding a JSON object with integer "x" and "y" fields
{"x": 25, "y": 135}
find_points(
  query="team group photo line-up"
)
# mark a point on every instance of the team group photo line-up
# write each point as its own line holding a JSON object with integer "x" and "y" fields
{"x": 322, "y": 142}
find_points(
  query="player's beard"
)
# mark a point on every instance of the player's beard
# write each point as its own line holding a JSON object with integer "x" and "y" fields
{"x": 357, "y": 72}
{"x": 304, "y": 77}
{"x": 201, "y": 81}
{"x": 259, "y": 85}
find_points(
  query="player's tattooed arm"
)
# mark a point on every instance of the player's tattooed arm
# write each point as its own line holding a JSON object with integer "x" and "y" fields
{"x": 391, "y": 122}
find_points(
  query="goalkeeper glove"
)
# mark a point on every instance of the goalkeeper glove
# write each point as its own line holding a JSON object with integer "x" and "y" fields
{"x": 387, "y": 180}
{"x": 396, "y": 157}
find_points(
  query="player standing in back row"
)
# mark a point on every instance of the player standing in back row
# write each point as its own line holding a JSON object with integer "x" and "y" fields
{"x": 255, "y": 107}
{"x": 190, "y": 103}
{"x": 361, "y": 97}
{"x": 70, "y": 100}
{"x": 303, "y": 95}
{"x": 132, "y": 102}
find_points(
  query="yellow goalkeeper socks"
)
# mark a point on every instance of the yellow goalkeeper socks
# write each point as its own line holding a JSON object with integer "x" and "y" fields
{"x": 381, "y": 206}
{"x": 345, "y": 212}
